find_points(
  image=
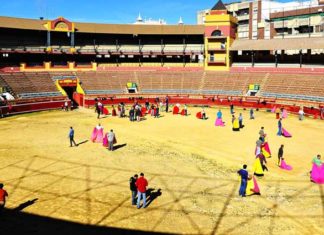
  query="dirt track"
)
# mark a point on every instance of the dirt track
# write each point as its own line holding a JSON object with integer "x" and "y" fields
{"x": 193, "y": 162}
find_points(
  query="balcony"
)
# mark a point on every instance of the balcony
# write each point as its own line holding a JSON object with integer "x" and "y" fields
{"x": 217, "y": 61}
{"x": 221, "y": 49}
{"x": 243, "y": 17}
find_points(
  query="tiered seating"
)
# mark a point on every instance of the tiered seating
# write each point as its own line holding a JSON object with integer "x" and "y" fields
{"x": 105, "y": 82}
{"x": 31, "y": 85}
{"x": 288, "y": 86}
{"x": 2, "y": 82}
{"x": 169, "y": 82}
{"x": 219, "y": 83}
{"x": 295, "y": 86}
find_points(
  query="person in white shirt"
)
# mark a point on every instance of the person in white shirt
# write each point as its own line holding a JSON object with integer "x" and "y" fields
{"x": 99, "y": 126}
{"x": 111, "y": 140}
{"x": 301, "y": 114}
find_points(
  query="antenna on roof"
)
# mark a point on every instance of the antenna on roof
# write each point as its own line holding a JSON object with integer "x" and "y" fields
{"x": 180, "y": 21}
{"x": 139, "y": 18}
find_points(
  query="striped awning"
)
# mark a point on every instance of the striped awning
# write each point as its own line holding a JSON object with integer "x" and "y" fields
{"x": 278, "y": 44}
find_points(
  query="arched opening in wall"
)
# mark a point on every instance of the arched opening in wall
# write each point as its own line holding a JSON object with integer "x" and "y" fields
{"x": 216, "y": 33}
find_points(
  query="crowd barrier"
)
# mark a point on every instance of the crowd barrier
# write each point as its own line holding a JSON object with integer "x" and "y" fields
{"x": 31, "y": 107}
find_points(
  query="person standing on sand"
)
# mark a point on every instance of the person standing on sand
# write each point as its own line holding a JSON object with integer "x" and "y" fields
{"x": 141, "y": 185}
{"x": 133, "y": 188}
{"x": 280, "y": 154}
{"x": 244, "y": 177}
{"x": 279, "y": 133}
{"x": 240, "y": 118}
{"x": 262, "y": 134}
{"x": 111, "y": 140}
{"x": 251, "y": 113}
{"x": 71, "y": 136}
{"x": 3, "y": 195}
{"x": 167, "y": 104}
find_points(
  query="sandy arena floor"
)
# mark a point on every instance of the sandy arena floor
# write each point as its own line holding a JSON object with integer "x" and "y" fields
{"x": 191, "y": 161}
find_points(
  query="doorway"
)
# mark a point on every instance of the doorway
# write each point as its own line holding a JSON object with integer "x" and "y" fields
{"x": 69, "y": 91}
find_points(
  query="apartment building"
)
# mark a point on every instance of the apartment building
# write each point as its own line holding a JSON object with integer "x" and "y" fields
{"x": 305, "y": 22}
{"x": 265, "y": 19}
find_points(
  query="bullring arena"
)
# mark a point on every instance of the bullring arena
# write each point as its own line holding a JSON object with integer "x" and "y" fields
{"x": 62, "y": 80}
{"x": 193, "y": 162}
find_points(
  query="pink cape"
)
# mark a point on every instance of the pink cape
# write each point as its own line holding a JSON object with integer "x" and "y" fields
{"x": 317, "y": 174}
{"x": 94, "y": 134}
{"x": 175, "y": 110}
{"x": 219, "y": 122}
{"x": 105, "y": 140}
{"x": 97, "y": 135}
{"x": 285, "y": 133}
{"x": 284, "y": 166}
{"x": 273, "y": 109}
{"x": 256, "y": 186}
{"x": 199, "y": 115}
{"x": 266, "y": 147}
{"x": 284, "y": 113}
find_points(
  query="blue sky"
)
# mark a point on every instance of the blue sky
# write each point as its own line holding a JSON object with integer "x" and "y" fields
{"x": 107, "y": 11}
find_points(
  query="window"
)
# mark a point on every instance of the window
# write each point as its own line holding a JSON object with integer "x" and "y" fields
{"x": 216, "y": 33}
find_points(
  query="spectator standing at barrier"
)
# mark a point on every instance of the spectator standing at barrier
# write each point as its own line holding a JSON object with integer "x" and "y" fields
{"x": 161, "y": 106}
{"x": 251, "y": 113}
{"x": 71, "y": 136}
{"x": 66, "y": 106}
{"x": 3, "y": 195}
{"x": 141, "y": 185}
{"x": 280, "y": 154}
{"x": 97, "y": 110}
{"x": 100, "y": 107}
{"x": 244, "y": 177}
{"x": 147, "y": 105}
{"x": 166, "y": 104}
{"x": 133, "y": 188}
{"x": 131, "y": 114}
{"x": 185, "y": 110}
{"x": 138, "y": 114}
{"x": 157, "y": 110}
{"x": 301, "y": 114}
{"x": 232, "y": 108}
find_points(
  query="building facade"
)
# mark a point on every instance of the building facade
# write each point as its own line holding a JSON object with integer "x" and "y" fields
{"x": 264, "y": 19}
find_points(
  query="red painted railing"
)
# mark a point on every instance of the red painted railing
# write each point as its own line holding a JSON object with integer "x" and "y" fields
{"x": 31, "y": 107}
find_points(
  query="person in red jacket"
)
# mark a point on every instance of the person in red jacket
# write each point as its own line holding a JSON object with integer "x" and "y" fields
{"x": 3, "y": 195}
{"x": 141, "y": 185}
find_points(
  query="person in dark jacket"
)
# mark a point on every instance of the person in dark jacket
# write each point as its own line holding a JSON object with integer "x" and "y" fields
{"x": 280, "y": 154}
{"x": 244, "y": 177}
{"x": 133, "y": 188}
{"x": 71, "y": 136}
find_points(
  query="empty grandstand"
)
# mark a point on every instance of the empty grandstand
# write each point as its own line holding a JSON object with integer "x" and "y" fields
{"x": 59, "y": 59}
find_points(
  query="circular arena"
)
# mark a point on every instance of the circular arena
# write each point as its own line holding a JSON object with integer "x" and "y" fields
{"x": 214, "y": 127}
{"x": 190, "y": 165}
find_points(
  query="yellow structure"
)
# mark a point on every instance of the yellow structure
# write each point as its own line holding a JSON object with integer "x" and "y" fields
{"x": 220, "y": 32}
{"x": 75, "y": 82}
